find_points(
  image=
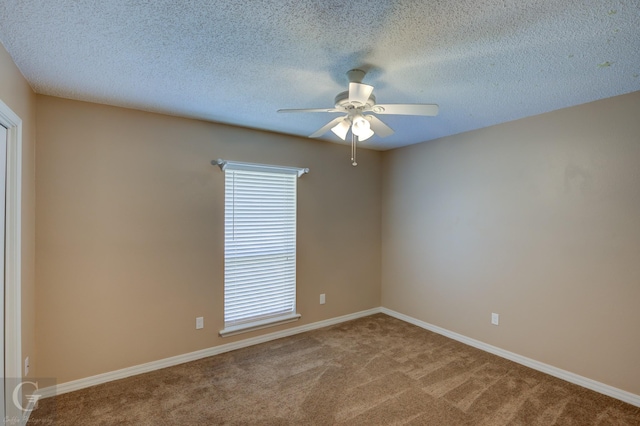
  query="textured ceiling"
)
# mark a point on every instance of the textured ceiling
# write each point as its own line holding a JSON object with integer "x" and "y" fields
{"x": 484, "y": 61}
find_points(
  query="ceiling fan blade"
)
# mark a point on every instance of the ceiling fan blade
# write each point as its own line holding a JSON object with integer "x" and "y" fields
{"x": 311, "y": 110}
{"x": 406, "y": 109}
{"x": 324, "y": 129}
{"x": 359, "y": 92}
{"x": 379, "y": 127}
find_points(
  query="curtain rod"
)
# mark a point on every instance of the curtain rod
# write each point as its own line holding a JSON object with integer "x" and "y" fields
{"x": 224, "y": 164}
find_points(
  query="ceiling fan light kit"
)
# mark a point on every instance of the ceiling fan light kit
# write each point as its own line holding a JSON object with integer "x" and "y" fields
{"x": 361, "y": 127}
{"x": 342, "y": 128}
{"x": 354, "y": 103}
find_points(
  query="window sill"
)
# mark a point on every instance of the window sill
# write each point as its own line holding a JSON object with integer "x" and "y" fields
{"x": 257, "y": 325}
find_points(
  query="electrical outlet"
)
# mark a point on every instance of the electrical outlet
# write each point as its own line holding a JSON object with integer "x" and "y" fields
{"x": 26, "y": 366}
{"x": 199, "y": 323}
{"x": 495, "y": 318}
{"x": 322, "y": 299}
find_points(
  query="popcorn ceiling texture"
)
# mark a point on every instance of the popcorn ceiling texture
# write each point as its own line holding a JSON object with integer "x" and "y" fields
{"x": 484, "y": 62}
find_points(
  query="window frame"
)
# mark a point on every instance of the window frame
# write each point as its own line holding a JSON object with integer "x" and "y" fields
{"x": 253, "y": 171}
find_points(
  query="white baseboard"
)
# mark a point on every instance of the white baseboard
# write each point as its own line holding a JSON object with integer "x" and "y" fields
{"x": 192, "y": 356}
{"x": 625, "y": 396}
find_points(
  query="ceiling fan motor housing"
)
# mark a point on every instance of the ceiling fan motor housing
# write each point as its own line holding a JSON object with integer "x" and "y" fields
{"x": 342, "y": 102}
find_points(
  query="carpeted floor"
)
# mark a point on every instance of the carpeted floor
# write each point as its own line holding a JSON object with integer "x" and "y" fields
{"x": 371, "y": 371}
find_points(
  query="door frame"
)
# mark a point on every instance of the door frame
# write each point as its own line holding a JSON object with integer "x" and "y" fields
{"x": 13, "y": 258}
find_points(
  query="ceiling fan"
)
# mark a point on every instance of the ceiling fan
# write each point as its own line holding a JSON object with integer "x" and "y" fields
{"x": 359, "y": 106}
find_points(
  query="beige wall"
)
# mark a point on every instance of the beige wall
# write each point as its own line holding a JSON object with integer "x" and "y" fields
{"x": 17, "y": 95}
{"x": 130, "y": 233}
{"x": 537, "y": 220}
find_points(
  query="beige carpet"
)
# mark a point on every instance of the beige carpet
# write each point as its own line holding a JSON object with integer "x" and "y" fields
{"x": 372, "y": 371}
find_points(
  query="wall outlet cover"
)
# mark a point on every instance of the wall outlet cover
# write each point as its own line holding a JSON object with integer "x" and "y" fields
{"x": 495, "y": 318}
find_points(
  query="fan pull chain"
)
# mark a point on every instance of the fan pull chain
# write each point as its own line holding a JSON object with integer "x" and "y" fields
{"x": 354, "y": 140}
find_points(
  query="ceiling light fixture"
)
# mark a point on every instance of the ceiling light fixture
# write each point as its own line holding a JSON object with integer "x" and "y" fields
{"x": 354, "y": 103}
{"x": 342, "y": 128}
{"x": 361, "y": 127}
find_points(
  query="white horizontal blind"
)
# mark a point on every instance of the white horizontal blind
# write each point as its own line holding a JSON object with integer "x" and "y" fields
{"x": 260, "y": 245}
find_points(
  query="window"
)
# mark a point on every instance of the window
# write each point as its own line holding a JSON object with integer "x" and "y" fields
{"x": 259, "y": 246}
